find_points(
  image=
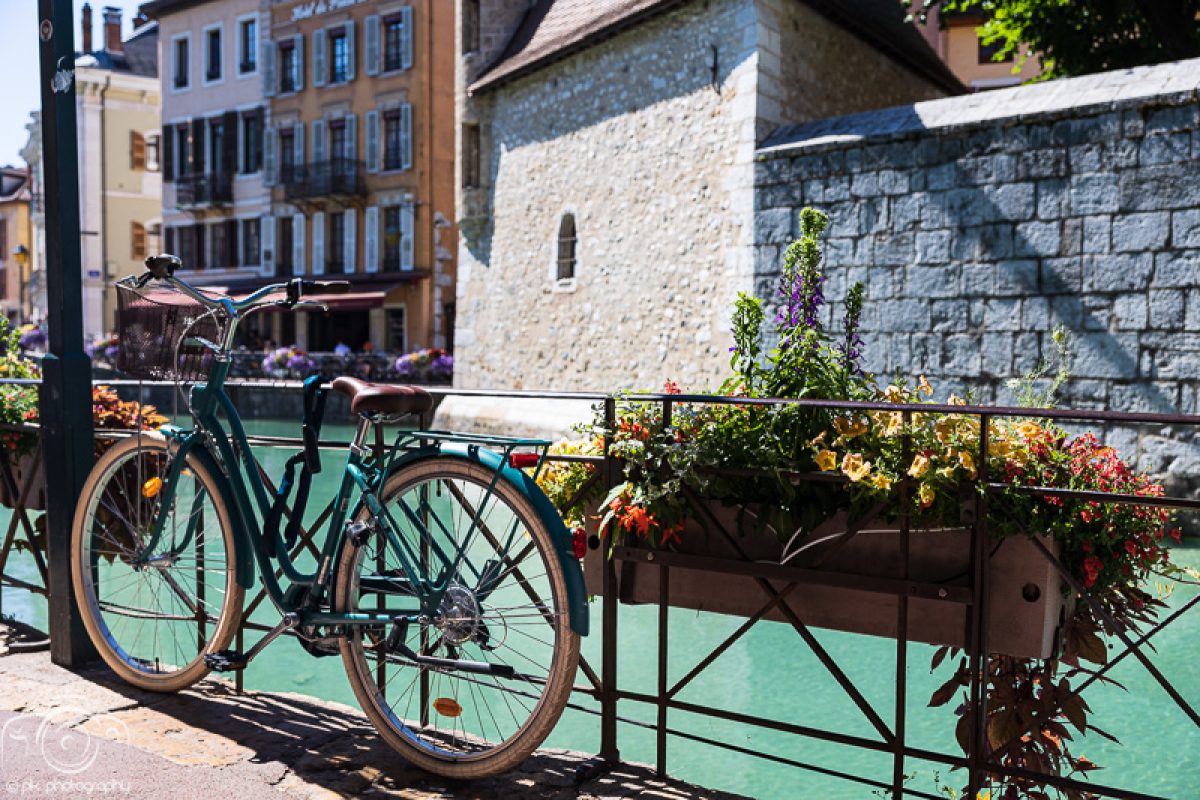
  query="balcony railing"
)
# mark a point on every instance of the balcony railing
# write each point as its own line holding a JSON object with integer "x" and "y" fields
{"x": 337, "y": 177}
{"x": 200, "y": 190}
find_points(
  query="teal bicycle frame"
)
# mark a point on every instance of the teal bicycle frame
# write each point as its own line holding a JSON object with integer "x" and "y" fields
{"x": 244, "y": 493}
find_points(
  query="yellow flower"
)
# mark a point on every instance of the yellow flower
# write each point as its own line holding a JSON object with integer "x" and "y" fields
{"x": 894, "y": 424}
{"x": 1000, "y": 447}
{"x": 894, "y": 394}
{"x": 849, "y": 428}
{"x": 855, "y": 468}
{"x": 819, "y": 438}
{"x": 968, "y": 462}
{"x": 955, "y": 400}
{"x": 947, "y": 472}
{"x": 944, "y": 429}
{"x": 881, "y": 481}
{"x": 920, "y": 466}
{"x": 923, "y": 387}
{"x": 827, "y": 460}
{"x": 926, "y": 495}
{"x": 1029, "y": 429}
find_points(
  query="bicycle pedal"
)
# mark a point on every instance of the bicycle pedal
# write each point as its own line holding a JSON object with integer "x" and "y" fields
{"x": 226, "y": 661}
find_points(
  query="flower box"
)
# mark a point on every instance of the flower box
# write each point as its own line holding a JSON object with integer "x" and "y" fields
{"x": 1028, "y": 606}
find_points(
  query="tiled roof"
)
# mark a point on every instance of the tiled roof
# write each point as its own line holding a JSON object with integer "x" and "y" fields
{"x": 1036, "y": 99}
{"x": 554, "y": 29}
{"x": 14, "y": 184}
{"x": 140, "y": 56}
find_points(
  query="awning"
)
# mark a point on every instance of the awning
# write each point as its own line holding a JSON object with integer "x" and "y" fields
{"x": 351, "y": 301}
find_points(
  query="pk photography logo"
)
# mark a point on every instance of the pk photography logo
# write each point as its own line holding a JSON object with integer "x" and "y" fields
{"x": 47, "y": 753}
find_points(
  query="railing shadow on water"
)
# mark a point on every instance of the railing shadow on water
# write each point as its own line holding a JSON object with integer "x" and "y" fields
{"x": 600, "y": 692}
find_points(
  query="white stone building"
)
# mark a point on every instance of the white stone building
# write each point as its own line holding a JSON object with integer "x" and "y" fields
{"x": 606, "y": 159}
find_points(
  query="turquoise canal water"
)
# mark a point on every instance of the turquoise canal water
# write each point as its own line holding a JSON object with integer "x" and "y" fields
{"x": 771, "y": 673}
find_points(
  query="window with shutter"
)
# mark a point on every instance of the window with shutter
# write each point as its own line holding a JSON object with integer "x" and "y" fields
{"x": 318, "y": 243}
{"x": 371, "y": 57}
{"x": 298, "y": 244}
{"x": 267, "y": 252}
{"x": 318, "y": 141}
{"x": 391, "y": 239}
{"x": 137, "y": 151}
{"x": 251, "y": 242}
{"x": 406, "y": 60}
{"x": 268, "y": 48}
{"x": 319, "y": 47}
{"x": 351, "y": 153}
{"x": 371, "y": 239}
{"x": 406, "y": 153}
{"x": 350, "y": 54}
{"x": 137, "y": 238}
{"x": 407, "y": 235}
{"x": 153, "y": 146}
{"x": 350, "y": 244}
{"x": 269, "y": 156}
{"x": 168, "y": 162}
{"x": 247, "y": 45}
{"x": 287, "y": 65}
{"x": 372, "y": 141}
{"x": 286, "y": 247}
{"x": 299, "y": 49}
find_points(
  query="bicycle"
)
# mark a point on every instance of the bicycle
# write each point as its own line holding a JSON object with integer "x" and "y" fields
{"x": 446, "y": 580}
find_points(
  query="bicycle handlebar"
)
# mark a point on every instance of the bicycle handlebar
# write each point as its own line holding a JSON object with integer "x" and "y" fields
{"x": 162, "y": 267}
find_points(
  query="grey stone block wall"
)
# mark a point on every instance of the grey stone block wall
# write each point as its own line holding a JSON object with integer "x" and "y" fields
{"x": 978, "y": 224}
{"x": 975, "y": 237}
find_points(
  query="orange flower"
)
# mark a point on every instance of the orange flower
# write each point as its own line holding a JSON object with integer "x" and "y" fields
{"x": 827, "y": 460}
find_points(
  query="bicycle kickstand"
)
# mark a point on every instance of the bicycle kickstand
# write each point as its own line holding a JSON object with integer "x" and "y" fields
{"x": 232, "y": 660}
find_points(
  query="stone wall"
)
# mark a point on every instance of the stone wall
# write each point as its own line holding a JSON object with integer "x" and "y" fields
{"x": 649, "y": 140}
{"x": 980, "y": 223}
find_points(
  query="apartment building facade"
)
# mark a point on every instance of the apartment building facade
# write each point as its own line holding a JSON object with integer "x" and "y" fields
{"x": 120, "y": 190}
{"x": 216, "y": 204}
{"x": 360, "y": 152}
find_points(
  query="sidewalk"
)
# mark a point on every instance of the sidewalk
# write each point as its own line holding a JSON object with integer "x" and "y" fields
{"x": 76, "y": 733}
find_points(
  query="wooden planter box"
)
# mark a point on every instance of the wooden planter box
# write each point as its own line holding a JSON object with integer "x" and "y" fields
{"x": 35, "y": 499}
{"x": 1027, "y": 600}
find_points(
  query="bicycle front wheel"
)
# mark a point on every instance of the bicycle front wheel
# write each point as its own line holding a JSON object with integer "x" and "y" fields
{"x": 505, "y": 606}
{"x": 154, "y": 614}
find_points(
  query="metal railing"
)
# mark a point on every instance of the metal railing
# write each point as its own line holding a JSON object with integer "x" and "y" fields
{"x": 777, "y": 582}
{"x": 335, "y": 177}
{"x": 204, "y": 189}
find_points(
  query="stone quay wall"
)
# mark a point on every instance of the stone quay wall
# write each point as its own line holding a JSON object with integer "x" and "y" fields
{"x": 980, "y": 223}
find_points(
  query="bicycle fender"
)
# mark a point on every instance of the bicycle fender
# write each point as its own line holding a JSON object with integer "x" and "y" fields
{"x": 572, "y": 572}
{"x": 244, "y": 561}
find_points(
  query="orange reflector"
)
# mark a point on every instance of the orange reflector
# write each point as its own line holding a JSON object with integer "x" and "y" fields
{"x": 151, "y": 487}
{"x": 447, "y": 707}
{"x": 523, "y": 460}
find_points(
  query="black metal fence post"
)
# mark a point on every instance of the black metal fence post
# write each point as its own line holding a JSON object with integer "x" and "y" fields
{"x": 66, "y": 412}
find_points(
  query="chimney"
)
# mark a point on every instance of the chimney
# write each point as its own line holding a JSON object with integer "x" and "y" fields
{"x": 86, "y": 25}
{"x": 112, "y": 30}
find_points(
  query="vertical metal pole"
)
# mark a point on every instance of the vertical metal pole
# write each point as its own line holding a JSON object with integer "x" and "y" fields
{"x": 608, "y": 639}
{"x": 664, "y": 600}
{"x": 902, "y": 615}
{"x": 66, "y": 413}
{"x": 980, "y": 612}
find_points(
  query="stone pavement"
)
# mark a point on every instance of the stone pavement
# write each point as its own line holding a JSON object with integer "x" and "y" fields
{"x": 76, "y": 733}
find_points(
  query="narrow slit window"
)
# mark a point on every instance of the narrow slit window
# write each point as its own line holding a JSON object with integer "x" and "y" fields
{"x": 567, "y": 242}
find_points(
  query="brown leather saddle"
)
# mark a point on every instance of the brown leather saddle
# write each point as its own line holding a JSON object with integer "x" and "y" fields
{"x": 379, "y": 398}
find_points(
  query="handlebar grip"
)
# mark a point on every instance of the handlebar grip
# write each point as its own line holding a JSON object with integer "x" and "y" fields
{"x": 163, "y": 266}
{"x": 325, "y": 287}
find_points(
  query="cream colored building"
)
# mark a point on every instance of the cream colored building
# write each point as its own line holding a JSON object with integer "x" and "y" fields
{"x": 14, "y": 241}
{"x": 120, "y": 188}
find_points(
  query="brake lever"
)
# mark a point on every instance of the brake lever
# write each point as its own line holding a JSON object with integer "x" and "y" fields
{"x": 310, "y": 304}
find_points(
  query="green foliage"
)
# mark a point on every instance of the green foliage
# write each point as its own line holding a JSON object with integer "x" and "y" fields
{"x": 1077, "y": 37}
{"x": 1031, "y": 389}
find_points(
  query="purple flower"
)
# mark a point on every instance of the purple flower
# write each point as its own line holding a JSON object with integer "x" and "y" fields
{"x": 442, "y": 366}
{"x": 112, "y": 352}
{"x": 33, "y": 338}
{"x": 405, "y": 367}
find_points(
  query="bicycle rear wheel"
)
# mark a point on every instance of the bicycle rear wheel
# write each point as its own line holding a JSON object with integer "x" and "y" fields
{"x": 154, "y": 615}
{"x": 506, "y": 605}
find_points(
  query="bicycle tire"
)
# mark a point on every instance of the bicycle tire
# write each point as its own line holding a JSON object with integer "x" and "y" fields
{"x": 138, "y": 615}
{"x": 507, "y": 629}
